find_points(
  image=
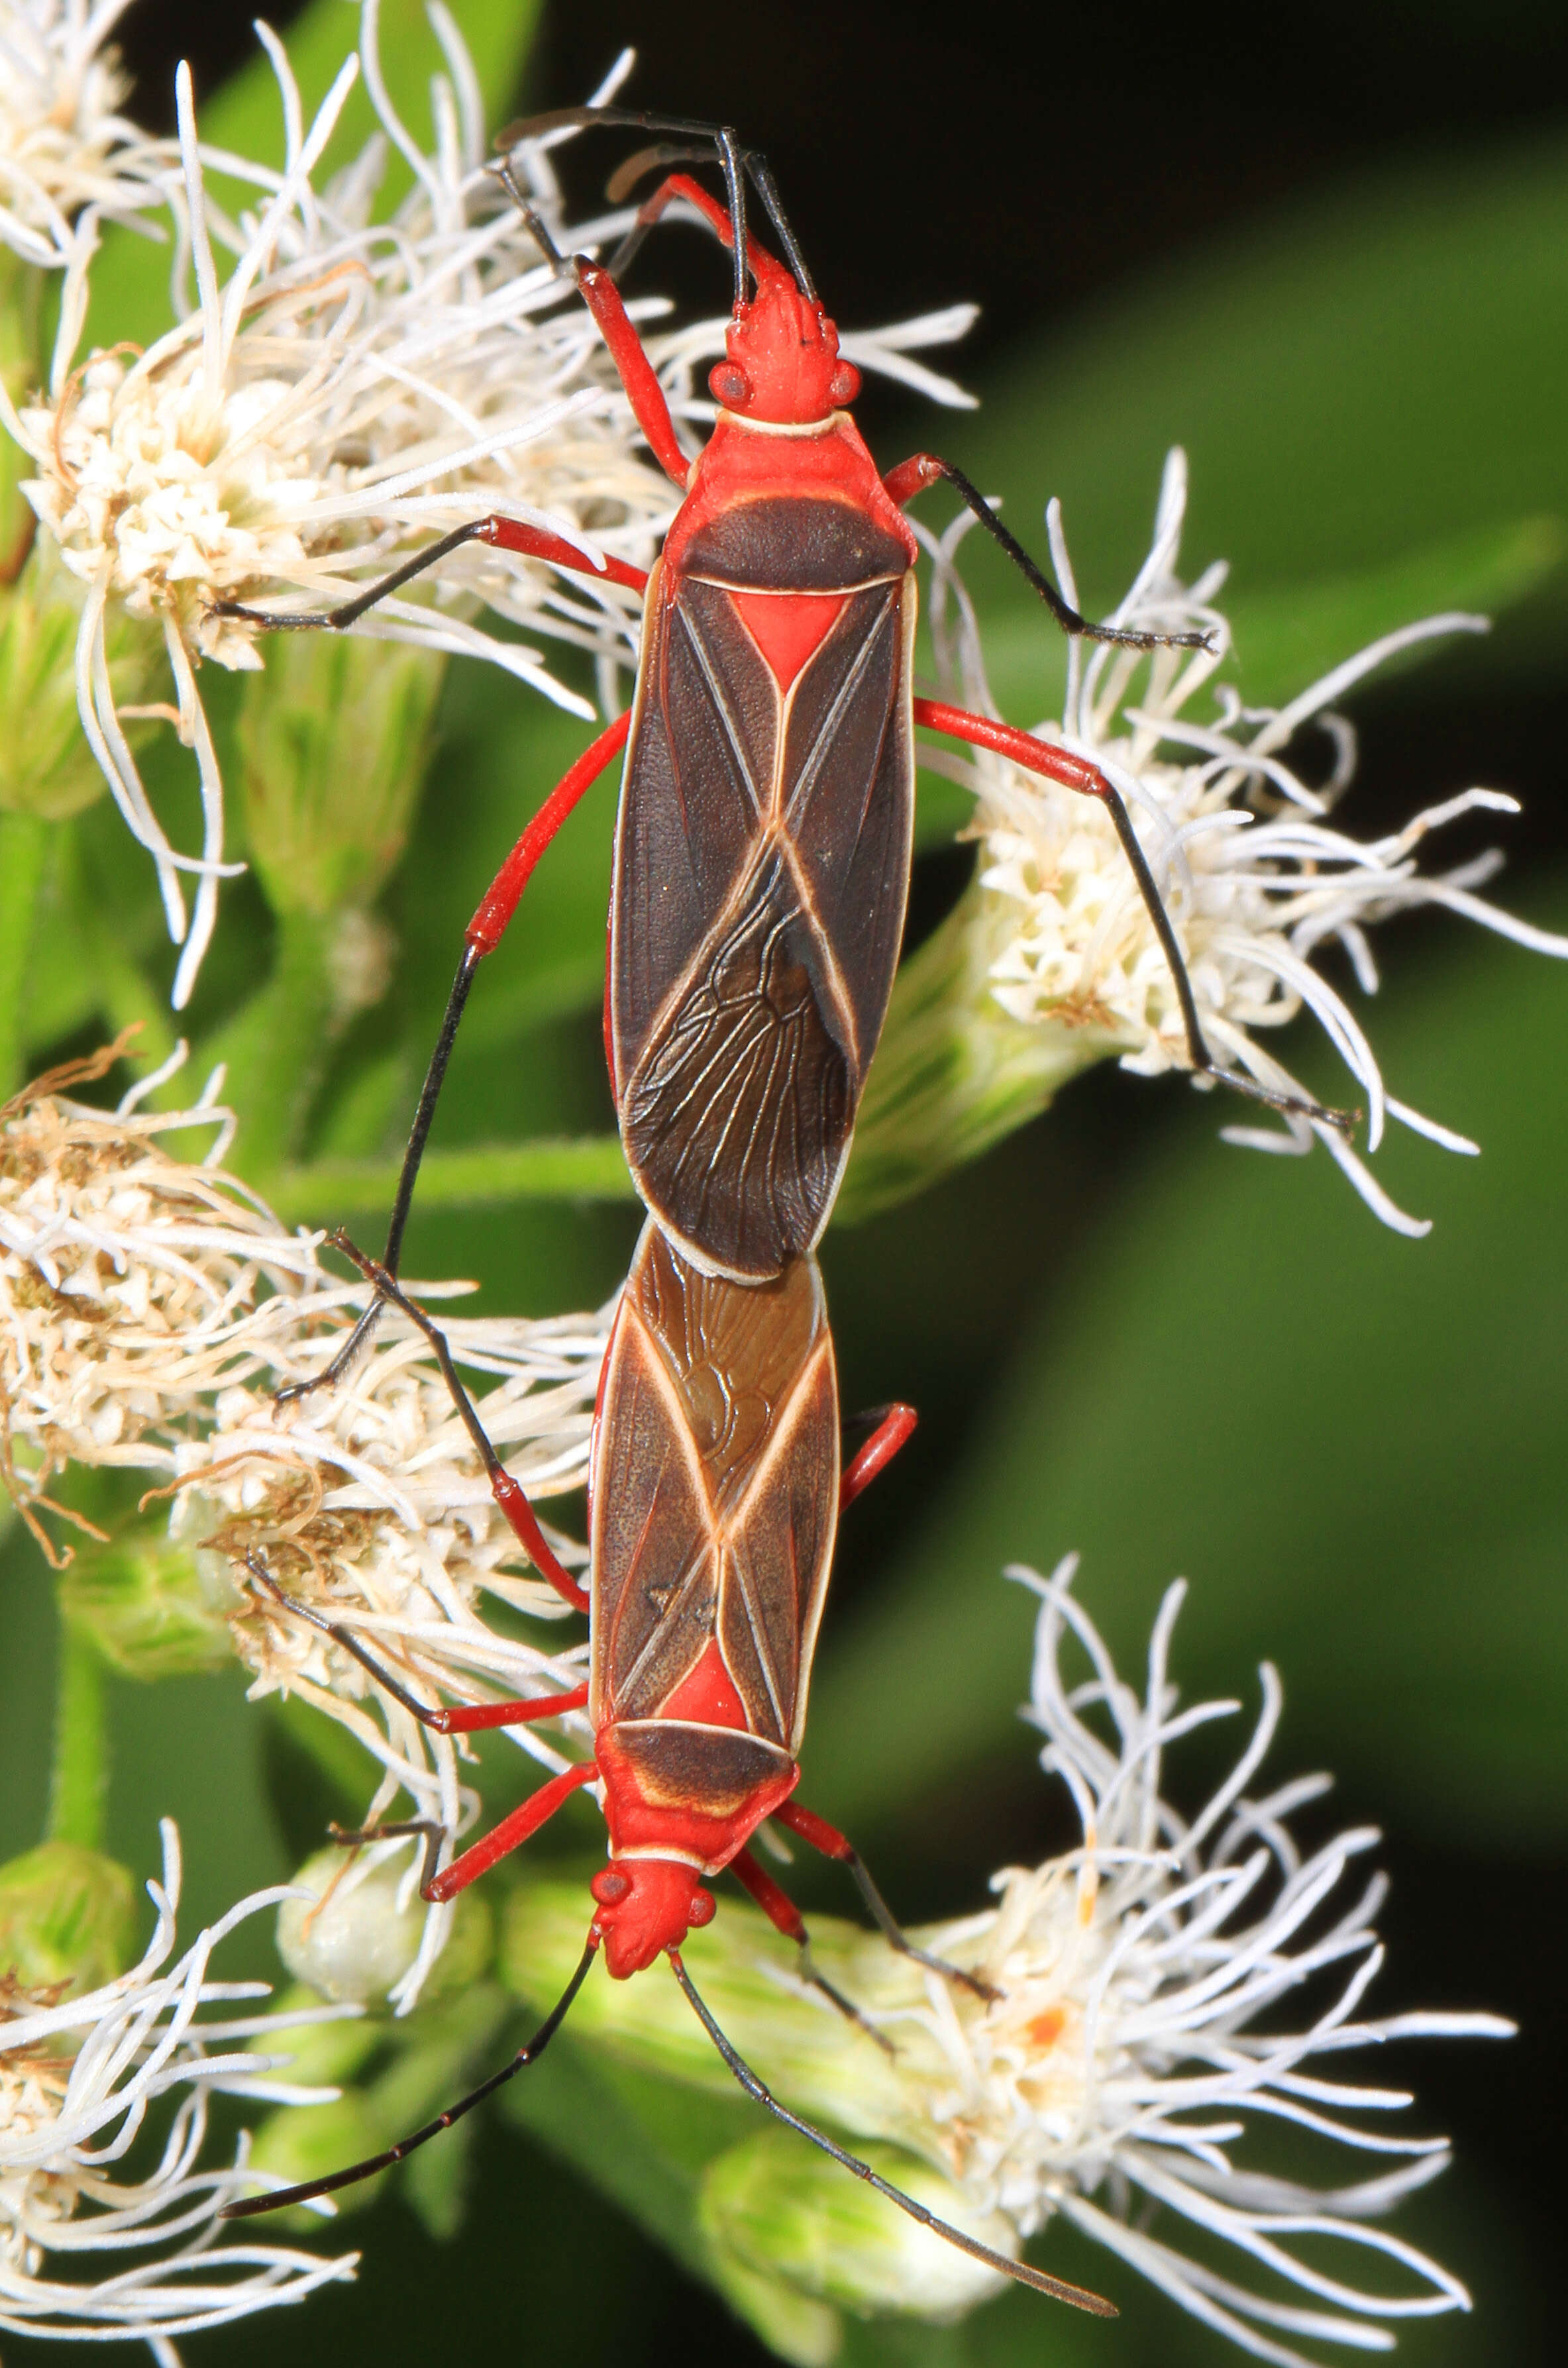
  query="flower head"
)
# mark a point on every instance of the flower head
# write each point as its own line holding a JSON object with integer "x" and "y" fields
{"x": 1169, "y": 1998}
{"x": 79, "y": 2079}
{"x": 149, "y": 1309}
{"x": 1051, "y": 962}
{"x": 64, "y": 146}
{"x": 1171, "y": 1989}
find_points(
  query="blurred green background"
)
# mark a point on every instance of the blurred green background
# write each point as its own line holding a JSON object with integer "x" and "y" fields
{"x": 1328, "y": 252}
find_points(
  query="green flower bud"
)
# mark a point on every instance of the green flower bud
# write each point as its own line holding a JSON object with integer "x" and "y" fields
{"x": 426, "y": 2060}
{"x": 805, "y": 2332}
{"x": 67, "y": 1914}
{"x": 333, "y": 739}
{"x": 954, "y": 1072}
{"x": 155, "y": 1606}
{"x": 353, "y": 1941}
{"x": 779, "y": 2207}
{"x": 21, "y": 295}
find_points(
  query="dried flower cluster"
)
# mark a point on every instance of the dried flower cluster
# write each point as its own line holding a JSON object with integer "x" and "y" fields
{"x": 150, "y": 1310}
{"x": 1258, "y": 877}
{"x": 79, "y": 2078}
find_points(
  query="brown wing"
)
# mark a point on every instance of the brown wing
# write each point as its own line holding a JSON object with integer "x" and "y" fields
{"x": 715, "y": 1489}
{"x": 762, "y": 864}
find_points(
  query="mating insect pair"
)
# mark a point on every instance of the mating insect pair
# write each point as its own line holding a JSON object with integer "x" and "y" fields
{"x": 761, "y": 875}
{"x": 714, "y": 1493}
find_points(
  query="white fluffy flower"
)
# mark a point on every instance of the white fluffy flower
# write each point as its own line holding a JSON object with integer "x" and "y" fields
{"x": 1160, "y": 2059}
{"x": 64, "y": 146}
{"x": 1258, "y": 877}
{"x": 1170, "y": 1991}
{"x": 151, "y": 1308}
{"x": 79, "y": 2079}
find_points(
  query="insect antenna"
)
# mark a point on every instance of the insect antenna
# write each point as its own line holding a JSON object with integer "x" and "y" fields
{"x": 529, "y": 2052}
{"x": 1025, "y": 2274}
{"x": 719, "y": 144}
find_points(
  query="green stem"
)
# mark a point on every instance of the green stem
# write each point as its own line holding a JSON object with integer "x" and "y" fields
{"x": 592, "y": 1167}
{"x": 277, "y": 1047}
{"x": 24, "y": 852}
{"x": 79, "y": 1780}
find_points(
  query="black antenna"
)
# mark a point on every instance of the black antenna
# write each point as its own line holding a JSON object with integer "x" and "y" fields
{"x": 528, "y": 2054}
{"x": 1025, "y": 2274}
{"x": 719, "y": 143}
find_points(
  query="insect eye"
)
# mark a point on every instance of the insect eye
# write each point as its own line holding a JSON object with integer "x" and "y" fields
{"x": 700, "y": 1912}
{"x": 609, "y": 1885}
{"x": 728, "y": 384}
{"x": 845, "y": 383}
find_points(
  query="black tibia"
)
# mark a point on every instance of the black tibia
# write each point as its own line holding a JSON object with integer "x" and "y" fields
{"x": 435, "y": 1076}
{"x": 1237, "y": 1080}
{"x": 428, "y": 1715}
{"x": 1066, "y": 617}
{"x": 388, "y": 1289}
{"x": 350, "y": 612}
{"x": 396, "y": 1830}
{"x": 847, "y": 2007}
{"x": 896, "y": 1938}
{"x": 529, "y": 2052}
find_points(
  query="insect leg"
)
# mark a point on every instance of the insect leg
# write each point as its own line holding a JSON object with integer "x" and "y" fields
{"x": 596, "y": 285}
{"x": 485, "y": 931}
{"x": 784, "y": 1916}
{"x": 913, "y": 476}
{"x": 509, "y": 1835}
{"x": 519, "y": 1513}
{"x": 529, "y": 2052}
{"x": 819, "y": 1835}
{"x": 1025, "y": 2275}
{"x": 1078, "y": 773}
{"x": 501, "y": 533}
{"x": 895, "y": 1426}
{"x": 470, "y": 1718}
{"x": 354, "y": 1838}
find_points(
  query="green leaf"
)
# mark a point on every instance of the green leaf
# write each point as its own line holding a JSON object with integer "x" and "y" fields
{"x": 1350, "y": 1442}
{"x": 1377, "y": 363}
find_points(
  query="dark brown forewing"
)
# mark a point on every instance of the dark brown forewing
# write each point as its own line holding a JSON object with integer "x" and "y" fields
{"x": 735, "y": 1353}
{"x": 774, "y": 1571}
{"x": 698, "y": 774}
{"x": 848, "y": 791}
{"x": 654, "y": 1561}
{"x": 736, "y": 1122}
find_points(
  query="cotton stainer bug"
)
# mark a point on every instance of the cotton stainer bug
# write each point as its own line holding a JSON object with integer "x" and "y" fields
{"x": 714, "y": 1493}
{"x": 764, "y": 834}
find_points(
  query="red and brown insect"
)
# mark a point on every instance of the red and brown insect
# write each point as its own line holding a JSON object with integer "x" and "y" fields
{"x": 714, "y": 1494}
{"x": 763, "y": 841}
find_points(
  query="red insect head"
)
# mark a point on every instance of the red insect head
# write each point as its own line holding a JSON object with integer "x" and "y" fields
{"x": 784, "y": 363}
{"x": 646, "y": 1905}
